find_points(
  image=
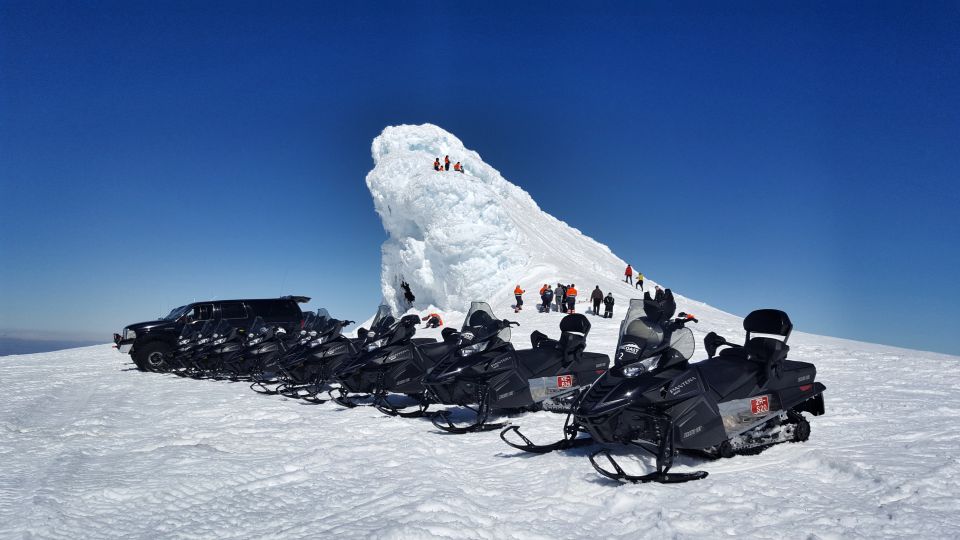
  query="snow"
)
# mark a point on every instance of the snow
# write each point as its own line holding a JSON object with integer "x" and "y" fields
{"x": 89, "y": 447}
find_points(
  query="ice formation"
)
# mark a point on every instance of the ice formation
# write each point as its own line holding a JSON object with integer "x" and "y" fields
{"x": 475, "y": 236}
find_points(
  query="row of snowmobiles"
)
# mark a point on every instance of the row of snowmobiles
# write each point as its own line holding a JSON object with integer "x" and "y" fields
{"x": 740, "y": 400}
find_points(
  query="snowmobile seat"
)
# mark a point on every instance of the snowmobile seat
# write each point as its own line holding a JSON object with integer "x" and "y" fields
{"x": 729, "y": 375}
{"x": 422, "y": 342}
{"x": 573, "y": 337}
{"x": 768, "y": 321}
{"x": 435, "y": 351}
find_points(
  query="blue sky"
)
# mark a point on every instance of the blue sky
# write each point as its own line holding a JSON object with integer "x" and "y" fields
{"x": 798, "y": 155}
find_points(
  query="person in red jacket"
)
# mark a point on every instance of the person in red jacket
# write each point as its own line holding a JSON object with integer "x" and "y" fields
{"x": 571, "y": 298}
{"x": 518, "y": 294}
{"x": 436, "y": 164}
{"x": 432, "y": 320}
{"x": 629, "y": 275}
{"x": 446, "y": 163}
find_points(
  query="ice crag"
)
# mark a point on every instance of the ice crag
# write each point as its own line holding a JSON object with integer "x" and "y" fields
{"x": 461, "y": 237}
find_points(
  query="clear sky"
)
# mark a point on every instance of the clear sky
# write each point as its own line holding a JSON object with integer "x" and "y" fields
{"x": 799, "y": 155}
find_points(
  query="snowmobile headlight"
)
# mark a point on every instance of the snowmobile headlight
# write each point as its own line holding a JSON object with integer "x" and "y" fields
{"x": 254, "y": 341}
{"x": 633, "y": 370}
{"x": 303, "y": 332}
{"x": 641, "y": 367}
{"x": 313, "y": 333}
{"x": 220, "y": 341}
{"x": 474, "y": 349}
{"x": 376, "y": 344}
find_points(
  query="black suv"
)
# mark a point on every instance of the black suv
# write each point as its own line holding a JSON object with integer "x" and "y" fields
{"x": 150, "y": 342}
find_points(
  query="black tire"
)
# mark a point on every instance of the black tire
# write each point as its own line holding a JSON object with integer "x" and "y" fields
{"x": 152, "y": 356}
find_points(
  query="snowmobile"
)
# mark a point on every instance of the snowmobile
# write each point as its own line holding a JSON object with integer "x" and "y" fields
{"x": 391, "y": 361}
{"x": 742, "y": 401}
{"x": 180, "y": 361}
{"x": 489, "y": 374}
{"x": 302, "y": 370}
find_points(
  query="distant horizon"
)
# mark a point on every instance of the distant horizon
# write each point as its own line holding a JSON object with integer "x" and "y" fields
{"x": 799, "y": 155}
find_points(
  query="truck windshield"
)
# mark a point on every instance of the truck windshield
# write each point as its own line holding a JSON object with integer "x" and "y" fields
{"x": 175, "y": 314}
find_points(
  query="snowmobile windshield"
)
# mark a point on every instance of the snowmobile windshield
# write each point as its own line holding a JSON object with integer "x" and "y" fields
{"x": 322, "y": 315}
{"x": 176, "y": 313}
{"x": 188, "y": 331}
{"x": 481, "y": 323}
{"x": 206, "y": 329}
{"x": 258, "y": 327}
{"x": 683, "y": 342}
{"x": 221, "y": 329}
{"x": 382, "y": 320}
{"x": 640, "y": 329}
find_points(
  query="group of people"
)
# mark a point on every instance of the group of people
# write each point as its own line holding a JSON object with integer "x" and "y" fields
{"x": 457, "y": 167}
{"x": 565, "y": 297}
{"x": 628, "y": 278}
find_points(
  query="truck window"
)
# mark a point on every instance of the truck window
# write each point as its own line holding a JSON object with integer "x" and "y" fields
{"x": 202, "y": 312}
{"x": 232, "y": 310}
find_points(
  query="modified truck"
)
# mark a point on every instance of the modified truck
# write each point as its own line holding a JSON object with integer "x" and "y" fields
{"x": 150, "y": 343}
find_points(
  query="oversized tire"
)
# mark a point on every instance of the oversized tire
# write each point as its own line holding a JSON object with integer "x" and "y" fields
{"x": 152, "y": 356}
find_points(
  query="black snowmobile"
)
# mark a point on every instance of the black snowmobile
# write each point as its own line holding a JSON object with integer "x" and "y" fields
{"x": 486, "y": 373}
{"x": 303, "y": 370}
{"x": 391, "y": 360}
{"x": 742, "y": 401}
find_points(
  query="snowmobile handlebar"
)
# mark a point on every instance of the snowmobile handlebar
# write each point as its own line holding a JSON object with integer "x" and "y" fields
{"x": 507, "y": 324}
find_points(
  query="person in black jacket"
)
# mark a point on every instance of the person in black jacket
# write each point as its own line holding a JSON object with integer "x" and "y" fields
{"x": 608, "y": 306}
{"x": 658, "y": 296}
{"x": 596, "y": 296}
{"x": 547, "y": 298}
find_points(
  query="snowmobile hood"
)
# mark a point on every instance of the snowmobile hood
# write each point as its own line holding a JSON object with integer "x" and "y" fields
{"x": 613, "y": 392}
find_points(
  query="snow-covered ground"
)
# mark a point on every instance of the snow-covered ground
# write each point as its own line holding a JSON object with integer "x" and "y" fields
{"x": 89, "y": 447}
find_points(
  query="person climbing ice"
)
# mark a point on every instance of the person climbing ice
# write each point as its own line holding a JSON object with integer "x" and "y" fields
{"x": 407, "y": 293}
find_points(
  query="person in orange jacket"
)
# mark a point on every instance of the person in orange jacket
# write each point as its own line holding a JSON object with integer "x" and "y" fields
{"x": 456, "y": 167}
{"x": 628, "y": 273}
{"x": 432, "y": 320}
{"x": 571, "y": 298}
{"x": 436, "y": 164}
{"x": 446, "y": 162}
{"x": 518, "y": 294}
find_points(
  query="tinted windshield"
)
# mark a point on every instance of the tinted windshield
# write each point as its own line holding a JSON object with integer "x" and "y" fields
{"x": 222, "y": 328}
{"x": 639, "y": 331}
{"x": 482, "y": 323}
{"x": 258, "y": 327}
{"x": 383, "y": 319}
{"x": 682, "y": 340}
{"x": 175, "y": 314}
{"x": 206, "y": 329}
{"x": 323, "y": 314}
{"x": 188, "y": 330}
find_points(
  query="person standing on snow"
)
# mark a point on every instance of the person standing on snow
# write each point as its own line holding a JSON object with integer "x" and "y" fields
{"x": 639, "y": 281}
{"x": 608, "y": 306}
{"x": 446, "y": 162}
{"x": 456, "y": 167}
{"x": 558, "y": 296}
{"x": 518, "y": 294}
{"x": 628, "y": 273}
{"x": 658, "y": 296}
{"x": 563, "y": 297}
{"x": 596, "y": 296}
{"x": 571, "y": 298}
{"x": 547, "y": 297}
{"x": 436, "y": 164}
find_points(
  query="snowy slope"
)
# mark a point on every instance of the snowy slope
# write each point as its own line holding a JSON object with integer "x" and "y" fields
{"x": 90, "y": 447}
